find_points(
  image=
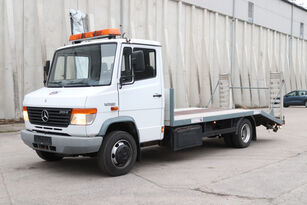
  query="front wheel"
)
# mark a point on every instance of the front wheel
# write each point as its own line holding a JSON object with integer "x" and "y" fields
{"x": 306, "y": 104}
{"x": 244, "y": 134}
{"x": 117, "y": 154}
{"x": 49, "y": 156}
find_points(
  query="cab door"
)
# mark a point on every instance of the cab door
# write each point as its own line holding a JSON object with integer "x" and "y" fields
{"x": 140, "y": 93}
{"x": 290, "y": 98}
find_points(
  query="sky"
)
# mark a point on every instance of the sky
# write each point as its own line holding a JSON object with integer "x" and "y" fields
{"x": 302, "y": 3}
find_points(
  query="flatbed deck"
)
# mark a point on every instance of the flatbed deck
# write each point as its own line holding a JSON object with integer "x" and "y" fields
{"x": 186, "y": 116}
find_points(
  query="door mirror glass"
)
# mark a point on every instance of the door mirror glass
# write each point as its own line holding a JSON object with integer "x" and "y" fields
{"x": 150, "y": 64}
{"x": 137, "y": 61}
{"x": 126, "y": 70}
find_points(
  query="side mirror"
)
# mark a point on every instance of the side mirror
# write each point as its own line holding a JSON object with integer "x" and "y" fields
{"x": 137, "y": 61}
{"x": 46, "y": 71}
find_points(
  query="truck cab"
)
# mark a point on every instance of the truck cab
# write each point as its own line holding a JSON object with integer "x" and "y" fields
{"x": 95, "y": 87}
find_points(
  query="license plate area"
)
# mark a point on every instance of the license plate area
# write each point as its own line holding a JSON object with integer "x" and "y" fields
{"x": 42, "y": 140}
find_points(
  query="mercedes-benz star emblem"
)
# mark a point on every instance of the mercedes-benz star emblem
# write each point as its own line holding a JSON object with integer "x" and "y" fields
{"x": 45, "y": 115}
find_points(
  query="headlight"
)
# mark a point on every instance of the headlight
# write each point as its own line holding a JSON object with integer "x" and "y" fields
{"x": 25, "y": 114}
{"x": 83, "y": 116}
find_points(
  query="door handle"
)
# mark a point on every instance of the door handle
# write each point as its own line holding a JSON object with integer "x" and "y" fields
{"x": 157, "y": 95}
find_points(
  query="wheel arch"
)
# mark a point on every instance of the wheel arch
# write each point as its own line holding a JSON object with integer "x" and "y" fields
{"x": 122, "y": 123}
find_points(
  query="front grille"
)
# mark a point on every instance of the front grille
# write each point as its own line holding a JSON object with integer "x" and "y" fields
{"x": 57, "y": 117}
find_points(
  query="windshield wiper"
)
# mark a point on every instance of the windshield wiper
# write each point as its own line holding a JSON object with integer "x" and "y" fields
{"x": 53, "y": 83}
{"x": 76, "y": 85}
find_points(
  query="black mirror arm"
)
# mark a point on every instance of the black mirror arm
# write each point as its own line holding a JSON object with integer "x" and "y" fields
{"x": 122, "y": 78}
{"x": 121, "y": 82}
{"x": 46, "y": 71}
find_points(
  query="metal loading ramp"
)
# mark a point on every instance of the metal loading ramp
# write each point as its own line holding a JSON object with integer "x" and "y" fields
{"x": 267, "y": 120}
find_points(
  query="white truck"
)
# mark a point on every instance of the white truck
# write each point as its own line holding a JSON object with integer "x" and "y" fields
{"x": 104, "y": 97}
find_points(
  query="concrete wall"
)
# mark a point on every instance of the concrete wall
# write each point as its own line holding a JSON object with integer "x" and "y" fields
{"x": 273, "y": 14}
{"x": 196, "y": 47}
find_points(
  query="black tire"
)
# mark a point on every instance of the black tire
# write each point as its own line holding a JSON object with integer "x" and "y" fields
{"x": 305, "y": 103}
{"x": 117, "y": 153}
{"x": 286, "y": 105}
{"x": 49, "y": 156}
{"x": 244, "y": 134}
{"x": 228, "y": 140}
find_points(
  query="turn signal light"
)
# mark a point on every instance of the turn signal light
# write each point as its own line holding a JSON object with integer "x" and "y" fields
{"x": 84, "y": 111}
{"x": 25, "y": 114}
{"x": 115, "y": 108}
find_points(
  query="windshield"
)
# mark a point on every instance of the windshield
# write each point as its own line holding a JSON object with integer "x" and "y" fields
{"x": 89, "y": 65}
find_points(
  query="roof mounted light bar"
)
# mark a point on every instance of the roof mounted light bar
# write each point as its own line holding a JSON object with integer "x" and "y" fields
{"x": 105, "y": 33}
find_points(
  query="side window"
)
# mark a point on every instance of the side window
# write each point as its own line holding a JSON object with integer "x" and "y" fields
{"x": 150, "y": 64}
{"x": 292, "y": 93}
{"x": 301, "y": 93}
{"x": 126, "y": 71}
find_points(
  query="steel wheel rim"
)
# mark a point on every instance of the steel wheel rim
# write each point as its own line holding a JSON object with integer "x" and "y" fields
{"x": 245, "y": 133}
{"x": 121, "y": 154}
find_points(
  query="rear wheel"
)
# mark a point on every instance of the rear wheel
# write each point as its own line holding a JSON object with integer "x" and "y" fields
{"x": 244, "y": 134}
{"x": 117, "y": 154}
{"x": 305, "y": 103}
{"x": 49, "y": 156}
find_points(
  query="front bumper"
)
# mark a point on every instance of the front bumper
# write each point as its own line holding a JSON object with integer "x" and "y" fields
{"x": 69, "y": 145}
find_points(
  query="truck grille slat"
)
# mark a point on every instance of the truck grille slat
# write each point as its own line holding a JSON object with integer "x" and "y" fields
{"x": 58, "y": 117}
{"x": 51, "y": 118}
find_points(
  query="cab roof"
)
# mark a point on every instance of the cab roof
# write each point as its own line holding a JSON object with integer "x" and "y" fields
{"x": 113, "y": 40}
